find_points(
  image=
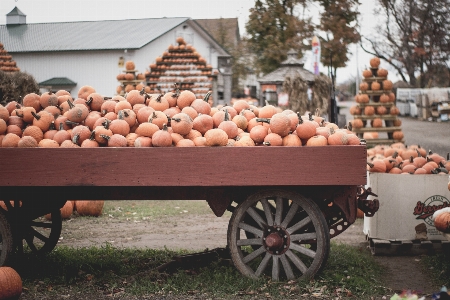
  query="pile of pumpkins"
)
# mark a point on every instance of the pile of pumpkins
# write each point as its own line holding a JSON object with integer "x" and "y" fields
{"x": 91, "y": 208}
{"x": 398, "y": 158}
{"x": 175, "y": 118}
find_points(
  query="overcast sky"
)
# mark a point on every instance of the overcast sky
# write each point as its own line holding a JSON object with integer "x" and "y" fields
{"x": 48, "y": 11}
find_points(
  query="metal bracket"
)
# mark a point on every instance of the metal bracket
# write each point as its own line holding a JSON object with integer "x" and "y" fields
{"x": 369, "y": 207}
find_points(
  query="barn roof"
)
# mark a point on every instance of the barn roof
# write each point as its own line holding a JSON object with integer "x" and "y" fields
{"x": 88, "y": 35}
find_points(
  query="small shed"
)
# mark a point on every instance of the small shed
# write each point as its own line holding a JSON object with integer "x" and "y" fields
{"x": 272, "y": 83}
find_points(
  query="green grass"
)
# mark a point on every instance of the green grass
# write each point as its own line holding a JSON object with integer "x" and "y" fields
{"x": 147, "y": 210}
{"x": 108, "y": 270}
{"x": 439, "y": 267}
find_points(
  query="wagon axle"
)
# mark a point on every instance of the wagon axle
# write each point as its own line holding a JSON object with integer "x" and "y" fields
{"x": 276, "y": 240}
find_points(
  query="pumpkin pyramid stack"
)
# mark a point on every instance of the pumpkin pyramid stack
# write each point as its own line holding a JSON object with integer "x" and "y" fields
{"x": 130, "y": 79}
{"x": 7, "y": 64}
{"x": 375, "y": 109}
{"x": 183, "y": 65}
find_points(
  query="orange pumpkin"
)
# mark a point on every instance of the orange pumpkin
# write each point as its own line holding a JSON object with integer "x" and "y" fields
{"x": 374, "y": 62}
{"x": 162, "y": 138}
{"x": 317, "y": 141}
{"x": 216, "y": 137}
{"x": 442, "y": 220}
{"x": 92, "y": 208}
{"x": 10, "y": 283}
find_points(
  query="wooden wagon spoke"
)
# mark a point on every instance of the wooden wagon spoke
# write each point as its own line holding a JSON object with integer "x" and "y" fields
{"x": 267, "y": 211}
{"x": 254, "y": 254}
{"x": 39, "y": 235}
{"x": 30, "y": 243}
{"x": 41, "y": 224}
{"x": 291, "y": 213}
{"x": 263, "y": 265}
{"x": 299, "y": 225}
{"x": 255, "y": 215}
{"x": 296, "y": 261}
{"x": 250, "y": 228}
{"x": 303, "y": 250}
{"x": 248, "y": 242}
{"x": 303, "y": 236}
{"x": 287, "y": 267}
{"x": 276, "y": 268}
{"x": 279, "y": 210}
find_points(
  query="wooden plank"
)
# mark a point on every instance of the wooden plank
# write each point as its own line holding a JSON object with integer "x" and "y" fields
{"x": 382, "y": 141}
{"x": 375, "y": 104}
{"x": 196, "y": 166}
{"x": 384, "y": 117}
{"x": 376, "y": 129}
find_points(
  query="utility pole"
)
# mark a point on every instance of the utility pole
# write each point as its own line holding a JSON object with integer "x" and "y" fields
{"x": 333, "y": 105}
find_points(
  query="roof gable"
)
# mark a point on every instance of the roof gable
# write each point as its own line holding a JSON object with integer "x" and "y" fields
{"x": 90, "y": 35}
{"x": 223, "y": 30}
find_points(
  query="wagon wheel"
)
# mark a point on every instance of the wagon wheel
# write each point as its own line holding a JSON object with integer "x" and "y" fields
{"x": 40, "y": 235}
{"x": 6, "y": 239}
{"x": 281, "y": 238}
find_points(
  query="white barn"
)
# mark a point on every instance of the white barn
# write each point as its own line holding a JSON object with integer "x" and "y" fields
{"x": 91, "y": 53}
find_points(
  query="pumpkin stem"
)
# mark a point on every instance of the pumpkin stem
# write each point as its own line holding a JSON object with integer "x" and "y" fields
{"x": 332, "y": 130}
{"x": 317, "y": 112}
{"x": 89, "y": 101}
{"x": 164, "y": 127}
{"x": 418, "y": 153}
{"x": 92, "y": 136}
{"x": 106, "y": 123}
{"x": 35, "y": 115}
{"x": 19, "y": 114}
{"x": 158, "y": 99}
{"x": 61, "y": 126}
{"x": 142, "y": 92}
{"x": 71, "y": 123}
{"x": 76, "y": 137}
{"x": 125, "y": 113}
{"x": 400, "y": 165}
{"x": 370, "y": 164}
{"x": 176, "y": 119}
{"x": 177, "y": 91}
{"x": 266, "y": 143}
{"x": 107, "y": 98}
{"x": 227, "y": 116}
{"x": 267, "y": 102}
{"x": 448, "y": 156}
{"x": 395, "y": 154}
{"x": 52, "y": 126}
{"x": 350, "y": 126}
{"x": 310, "y": 117}
{"x": 18, "y": 105}
{"x": 208, "y": 94}
{"x": 263, "y": 120}
{"x": 411, "y": 159}
{"x": 106, "y": 137}
{"x": 71, "y": 105}
{"x": 120, "y": 114}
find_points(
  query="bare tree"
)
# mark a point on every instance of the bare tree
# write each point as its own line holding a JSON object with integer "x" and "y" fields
{"x": 415, "y": 39}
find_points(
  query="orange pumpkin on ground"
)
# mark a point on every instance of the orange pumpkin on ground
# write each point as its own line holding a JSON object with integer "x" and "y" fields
{"x": 90, "y": 207}
{"x": 10, "y": 283}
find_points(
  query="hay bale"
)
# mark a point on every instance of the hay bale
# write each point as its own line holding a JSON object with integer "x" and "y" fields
{"x": 322, "y": 93}
{"x": 297, "y": 89}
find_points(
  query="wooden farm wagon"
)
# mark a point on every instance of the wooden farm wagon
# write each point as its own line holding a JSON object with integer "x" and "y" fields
{"x": 286, "y": 202}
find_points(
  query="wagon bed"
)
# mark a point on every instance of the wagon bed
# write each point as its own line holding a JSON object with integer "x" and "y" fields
{"x": 274, "y": 189}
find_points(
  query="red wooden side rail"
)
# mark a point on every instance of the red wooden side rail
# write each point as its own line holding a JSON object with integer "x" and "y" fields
{"x": 170, "y": 167}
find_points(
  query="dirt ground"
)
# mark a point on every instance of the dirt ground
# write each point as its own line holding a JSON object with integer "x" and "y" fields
{"x": 206, "y": 231}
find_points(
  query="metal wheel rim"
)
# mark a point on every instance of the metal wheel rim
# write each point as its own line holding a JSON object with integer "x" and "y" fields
{"x": 299, "y": 223}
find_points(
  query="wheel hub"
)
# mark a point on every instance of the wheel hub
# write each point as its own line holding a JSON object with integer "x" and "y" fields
{"x": 276, "y": 240}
